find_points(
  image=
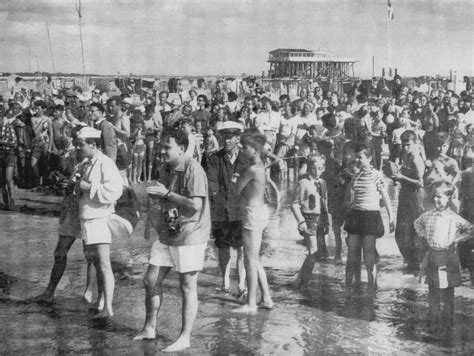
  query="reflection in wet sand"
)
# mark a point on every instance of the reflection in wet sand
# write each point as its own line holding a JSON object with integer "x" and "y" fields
{"x": 322, "y": 319}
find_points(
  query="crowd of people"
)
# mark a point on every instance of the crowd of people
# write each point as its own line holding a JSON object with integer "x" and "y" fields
{"x": 207, "y": 162}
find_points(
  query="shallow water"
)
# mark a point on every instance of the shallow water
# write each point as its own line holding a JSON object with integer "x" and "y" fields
{"x": 319, "y": 320}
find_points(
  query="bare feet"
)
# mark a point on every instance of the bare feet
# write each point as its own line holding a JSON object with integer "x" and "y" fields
{"x": 146, "y": 334}
{"x": 223, "y": 290}
{"x": 241, "y": 294}
{"x": 98, "y": 305}
{"x": 45, "y": 298}
{"x": 266, "y": 304}
{"x": 245, "y": 309}
{"x": 87, "y": 296}
{"x": 180, "y": 344}
{"x": 104, "y": 314}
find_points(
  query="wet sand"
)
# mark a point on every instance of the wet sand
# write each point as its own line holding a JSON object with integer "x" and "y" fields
{"x": 319, "y": 320}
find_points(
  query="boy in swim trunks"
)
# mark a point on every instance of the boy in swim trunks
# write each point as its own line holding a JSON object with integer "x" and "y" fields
{"x": 255, "y": 216}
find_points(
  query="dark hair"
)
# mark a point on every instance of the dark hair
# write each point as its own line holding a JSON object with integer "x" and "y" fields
{"x": 275, "y": 106}
{"x": 325, "y": 147}
{"x": 409, "y": 135}
{"x": 179, "y": 137}
{"x": 441, "y": 138}
{"x": 149, "y": 109}
{"x": 99, "y": 107}
{"x": 361, "y": 98}
{"x": 205, "y": 99}
{"x": 329, "y": 120}
{"x": 265, "y": 101}
{"x": 284, "y": 97}
{"x": 363, "y": 146}
{"x": 96, "y": 141}
{"x": 253, "y": 138}
{"x": 232, "y": 96}
{"x": 350, "y": 129}
{"x": 41, "y": 104}
{"x": 164, "y": 92}
{"x": 116, "y": 98}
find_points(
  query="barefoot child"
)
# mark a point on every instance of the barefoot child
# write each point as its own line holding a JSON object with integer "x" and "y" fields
{"x": 255, "y": 216}
{"x": 139, "y": 148}
{"x": 441, "y": 229}
{"x": 310, "y": 210}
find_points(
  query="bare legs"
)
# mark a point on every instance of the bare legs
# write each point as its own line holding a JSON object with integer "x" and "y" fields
{"x": 188, "y": 285}
{"x": 137, "y": 167}
{"x": 150, "y": 150}
{"x": 224, "y": 265}
{"x": 105, "y": 277}
{"x": 336, "y": 223}
{"x": 8, "y": 189}
{"x": 255, "y": 273}
{"x": 306, "y": 269}
{"x": 223, "y": 255}
{"x": 153, "y": 282}
{"x": 60, "y": 261}
{"x": 353, "y": 266}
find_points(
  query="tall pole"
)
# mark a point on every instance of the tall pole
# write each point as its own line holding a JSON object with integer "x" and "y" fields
{"x": 50, "y": 47}
{"x": 373, "y": 66}
{"x": 79, "y": 9}
{"x": 388, "y": 44}
{"x": 29, "y": 58}
{"x": 37, "y": 63}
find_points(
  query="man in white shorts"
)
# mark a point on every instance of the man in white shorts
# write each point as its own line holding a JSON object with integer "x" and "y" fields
{"x": 182, "y": 220}
{"x": 99, "y": 189}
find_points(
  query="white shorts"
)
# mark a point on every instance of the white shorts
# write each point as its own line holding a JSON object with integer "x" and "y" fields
{"x": 184, "y": 259}
{"x": 255, "y": 218}
{"x": 96, "y": 231}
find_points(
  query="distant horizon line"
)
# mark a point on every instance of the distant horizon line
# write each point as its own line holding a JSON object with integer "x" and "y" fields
{"x": 158, "y": 76}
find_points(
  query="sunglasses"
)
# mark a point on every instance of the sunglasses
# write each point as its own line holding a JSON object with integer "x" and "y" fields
{"x": 96, "y": 92}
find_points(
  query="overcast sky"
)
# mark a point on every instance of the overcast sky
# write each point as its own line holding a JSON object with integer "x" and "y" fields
{"x": 233, "y": 37}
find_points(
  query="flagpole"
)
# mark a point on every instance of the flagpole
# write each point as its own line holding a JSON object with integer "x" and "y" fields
{"x": 50, "y": 47}
{"x": 388, "y": 43}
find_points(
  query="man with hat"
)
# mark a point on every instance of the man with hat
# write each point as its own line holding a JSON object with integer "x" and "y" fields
{"x": 223, "y": 170}
{"x": 99, "y": 188}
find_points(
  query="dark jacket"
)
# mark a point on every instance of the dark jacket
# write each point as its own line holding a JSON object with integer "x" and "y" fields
{"x": 219, "y": 170}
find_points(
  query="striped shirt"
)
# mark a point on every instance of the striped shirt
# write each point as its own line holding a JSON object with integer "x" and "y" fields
{"x": 366, "y": 190}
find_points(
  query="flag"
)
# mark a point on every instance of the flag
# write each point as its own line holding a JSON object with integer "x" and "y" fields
{"x": 390, "y": 13}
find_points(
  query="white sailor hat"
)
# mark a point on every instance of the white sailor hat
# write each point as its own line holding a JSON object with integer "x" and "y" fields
{"x": 231, "y": 125}
{"x": 89, "y": 132}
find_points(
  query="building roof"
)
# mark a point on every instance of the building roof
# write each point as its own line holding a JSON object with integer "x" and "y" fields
{"x": 290, "y": 50}
{"x": 316, "y": 56}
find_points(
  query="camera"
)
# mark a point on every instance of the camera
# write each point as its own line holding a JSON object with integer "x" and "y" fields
{"x": 172, "y": 219}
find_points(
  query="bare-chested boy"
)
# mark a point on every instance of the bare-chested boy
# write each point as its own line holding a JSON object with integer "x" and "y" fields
{"x": 255, "y": 216}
